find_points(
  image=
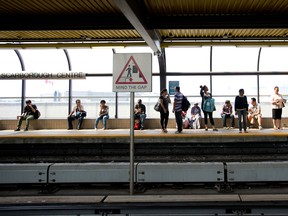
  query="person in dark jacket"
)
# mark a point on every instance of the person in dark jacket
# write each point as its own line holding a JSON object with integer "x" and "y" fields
{"x": 30, "y": 110}
{"x": 241, "y": 109}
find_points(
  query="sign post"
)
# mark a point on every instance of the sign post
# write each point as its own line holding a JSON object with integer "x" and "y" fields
{"x": 132, "y": 72}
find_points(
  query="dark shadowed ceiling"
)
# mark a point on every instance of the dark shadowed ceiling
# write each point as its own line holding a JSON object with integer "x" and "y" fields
{"x": 157, "y": 23}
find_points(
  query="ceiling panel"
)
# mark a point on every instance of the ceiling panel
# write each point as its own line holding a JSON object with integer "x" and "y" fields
{"x": 98, "y": 20}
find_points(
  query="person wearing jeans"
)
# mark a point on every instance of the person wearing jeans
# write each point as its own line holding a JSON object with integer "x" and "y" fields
{"x": 103, "y": 115}
{"x": 177, "y": 109}
{"x": 241, "y": 108}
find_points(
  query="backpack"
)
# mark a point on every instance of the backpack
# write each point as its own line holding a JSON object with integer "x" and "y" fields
{"x": 185, "y": 104}
{"x": 37, "y": 114}
{"x": 209, "y": 105}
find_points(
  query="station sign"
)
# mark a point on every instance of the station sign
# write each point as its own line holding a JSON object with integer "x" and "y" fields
{"x": 132, "y": 72}
{"x": 42, "y": 75}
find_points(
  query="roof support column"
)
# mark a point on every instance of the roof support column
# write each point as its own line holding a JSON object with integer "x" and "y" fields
{"x": 162, "y": 69}
{"x": 133, "y": 11}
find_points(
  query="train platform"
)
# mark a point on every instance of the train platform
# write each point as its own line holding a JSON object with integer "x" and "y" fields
{"x": 208, "y": 179}
{"x": 154, "y": 135}
{"x": 150, "y": 145}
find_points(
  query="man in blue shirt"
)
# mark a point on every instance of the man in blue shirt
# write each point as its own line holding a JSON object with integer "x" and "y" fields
{"x": 177, "y": 109}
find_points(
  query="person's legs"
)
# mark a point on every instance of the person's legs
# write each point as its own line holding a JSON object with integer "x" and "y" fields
{"x": 232, "y": 118}
{"x": 97, "y": 122}
{"x": 70, "y": 120}
{"x": 274, "y": 117}
{"x": 205, "y": 120}
{"x": 197, "y": 122}
{"x": 224, "y": 120}
{"x": 279, "y": 118}
{"x": 166, "y": 119}
{"x": 28, "y": 118}
{"x": 20, "y": 121}
{"x": 179, "y": 120}
{"x": 239, "y": 120}
{"x": 162, "y": 117}
{"x": 212, "y": 120}
{"x": 142, "y": 120}
{"x": 244, "y": 113}
{"x": 259, "y": 119}
{"x": 105, "y": 121}
{"x": 80, "y": 120}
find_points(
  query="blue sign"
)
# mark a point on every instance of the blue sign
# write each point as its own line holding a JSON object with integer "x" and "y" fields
{"x": 172, "y": 85}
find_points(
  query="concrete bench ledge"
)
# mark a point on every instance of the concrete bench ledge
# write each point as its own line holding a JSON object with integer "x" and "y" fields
{"x": 150, "y": 123}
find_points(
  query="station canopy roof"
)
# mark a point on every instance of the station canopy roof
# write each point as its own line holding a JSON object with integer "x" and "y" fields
{"x": 156, "y": 23}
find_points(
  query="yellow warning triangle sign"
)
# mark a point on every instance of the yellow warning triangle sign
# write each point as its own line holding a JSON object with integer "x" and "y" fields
{"x": 131, "y": 74}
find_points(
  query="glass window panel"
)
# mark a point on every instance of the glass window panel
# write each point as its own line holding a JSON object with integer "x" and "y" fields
{"x": 234, "y": 59}
{"x": 190, "y": 85}
{"x": 274, "y": 59}
{"x": 98, "y": 60}
{"x": 91, "y": 91}
{"x": 155, "y": 63}
{"x": 48, "y": 95}
{"x": 188, "y": 59}
{"x": 45, "y": 61}
{"x": 148, "y": 98}
{"x": 12, "y": 108}
{"x": 227, "y": 88}
{"x": 10, "y": 63}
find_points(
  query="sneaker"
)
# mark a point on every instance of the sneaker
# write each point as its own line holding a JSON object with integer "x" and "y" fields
{"x": 260, "y": 127}
{"x": 178, "y": 132}
{"x": 69, "y": 128}
{"x": 17, "y": 129}
{"x": 26, "y": 129}
{"x": 215, "y": 129}
{"x": 142, "y": 128}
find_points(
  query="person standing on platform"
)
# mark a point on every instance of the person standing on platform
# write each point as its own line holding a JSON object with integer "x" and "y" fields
{"x": 30, "y": 110}
{"x": 207, "y": 106}
{"x": 164, "y": 100}
{"x": 177, "y": 109}
{"x": 76, "y": 113}
{"x": 241, "y": 108}
{"x": 103, "y": 115}
{"x": 278, "y": 102}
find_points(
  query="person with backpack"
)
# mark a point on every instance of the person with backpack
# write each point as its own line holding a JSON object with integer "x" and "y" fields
{"x": 30, "y": 112}
{"x": 207, "y": 106}
{"x": 177, "y": 109}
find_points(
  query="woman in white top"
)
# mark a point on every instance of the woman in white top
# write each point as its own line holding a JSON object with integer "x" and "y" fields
{"x": 277, "y": 101}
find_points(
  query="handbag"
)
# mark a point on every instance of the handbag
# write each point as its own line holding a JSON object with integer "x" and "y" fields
{"x": 81, "y": 114}
{"x": 283, "y": 105}
{"x": 157, "y": 106}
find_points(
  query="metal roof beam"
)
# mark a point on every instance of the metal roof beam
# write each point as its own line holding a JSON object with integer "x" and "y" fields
{"x": 134, "y": 13}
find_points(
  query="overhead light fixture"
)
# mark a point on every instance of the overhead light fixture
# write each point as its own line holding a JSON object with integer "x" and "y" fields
{"x": 108, "y": 47}
{"x": 227, "y": 35}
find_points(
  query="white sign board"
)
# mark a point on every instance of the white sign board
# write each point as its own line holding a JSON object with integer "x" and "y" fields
{"x": 132, "y": 72}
